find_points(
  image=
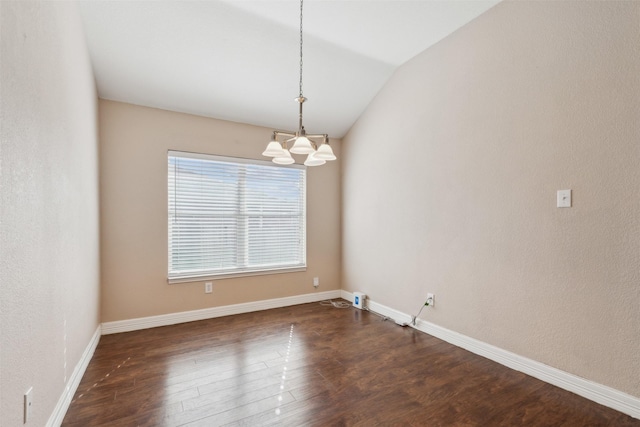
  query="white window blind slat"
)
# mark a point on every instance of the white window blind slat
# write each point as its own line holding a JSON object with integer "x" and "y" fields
{"x": 234, "y": 216}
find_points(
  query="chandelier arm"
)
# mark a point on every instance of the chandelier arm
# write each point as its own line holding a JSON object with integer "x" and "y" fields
{"x": 293, "y": 135}
{"x": 284, "y": 133}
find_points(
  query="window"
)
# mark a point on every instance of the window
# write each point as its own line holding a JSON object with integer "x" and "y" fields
{"x": 232, "y": 216}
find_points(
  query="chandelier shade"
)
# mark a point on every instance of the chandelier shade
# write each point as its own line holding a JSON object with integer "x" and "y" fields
{"x": 303, "y": 143}
{"x": 313, "y": 160}
{"x": 325, "y": 152}
{"x": 274, "y": 149}
{"x": 284, "y": 158}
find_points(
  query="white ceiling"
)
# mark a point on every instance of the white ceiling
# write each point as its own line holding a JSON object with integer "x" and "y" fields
{"x": 239, "y": 60}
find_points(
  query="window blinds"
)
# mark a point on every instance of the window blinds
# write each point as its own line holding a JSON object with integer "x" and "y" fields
{"x": 232, "y": 216}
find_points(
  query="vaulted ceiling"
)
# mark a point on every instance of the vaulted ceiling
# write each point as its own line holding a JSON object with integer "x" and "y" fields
{"x": 239, "y": 60}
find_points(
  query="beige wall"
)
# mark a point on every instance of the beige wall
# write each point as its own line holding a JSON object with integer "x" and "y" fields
{"x": 450, "y": 179}
{"x": 49, "y": 260}
{"x": 133, "y": 182}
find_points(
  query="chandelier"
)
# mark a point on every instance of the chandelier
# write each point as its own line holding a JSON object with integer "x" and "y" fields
{"x": 315, "y": 146}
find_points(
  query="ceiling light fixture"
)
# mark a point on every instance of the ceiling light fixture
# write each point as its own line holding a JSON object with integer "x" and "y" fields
{"x": 303, "y": 143}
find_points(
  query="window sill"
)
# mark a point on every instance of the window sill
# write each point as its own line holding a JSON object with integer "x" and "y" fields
{"x": 201, "y": 278}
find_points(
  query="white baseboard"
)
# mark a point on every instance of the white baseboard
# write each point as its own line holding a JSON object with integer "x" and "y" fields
{"x": 55, "y": 420}
{"x": 209, "y": 313}
{"x": 599, "y": 393}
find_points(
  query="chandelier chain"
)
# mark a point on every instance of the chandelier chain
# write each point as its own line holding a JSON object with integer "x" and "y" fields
{"x": 301, "y": 1}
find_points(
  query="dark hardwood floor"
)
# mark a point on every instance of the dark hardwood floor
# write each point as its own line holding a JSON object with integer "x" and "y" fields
{"x": 312, "y": 365}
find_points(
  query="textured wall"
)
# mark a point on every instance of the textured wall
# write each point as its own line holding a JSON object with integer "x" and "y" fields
{"x": 450, "y": 179}
{"x": 49, "y": 260}
{"x": 133, "y": 168}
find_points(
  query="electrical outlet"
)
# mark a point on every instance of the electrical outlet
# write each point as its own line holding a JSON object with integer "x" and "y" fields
{"x": 28, "y": 404}
{"x": 316, "y": 282}
{"x": 431, "y": 299}
{"x": 208, "y": 287}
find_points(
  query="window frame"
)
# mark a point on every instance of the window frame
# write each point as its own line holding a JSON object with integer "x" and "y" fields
{"x": 238, "y": 271}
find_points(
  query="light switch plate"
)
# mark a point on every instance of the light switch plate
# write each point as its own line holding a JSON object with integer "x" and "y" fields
{"x": 564, "y": 198}
{"x": 28, "y": 404}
